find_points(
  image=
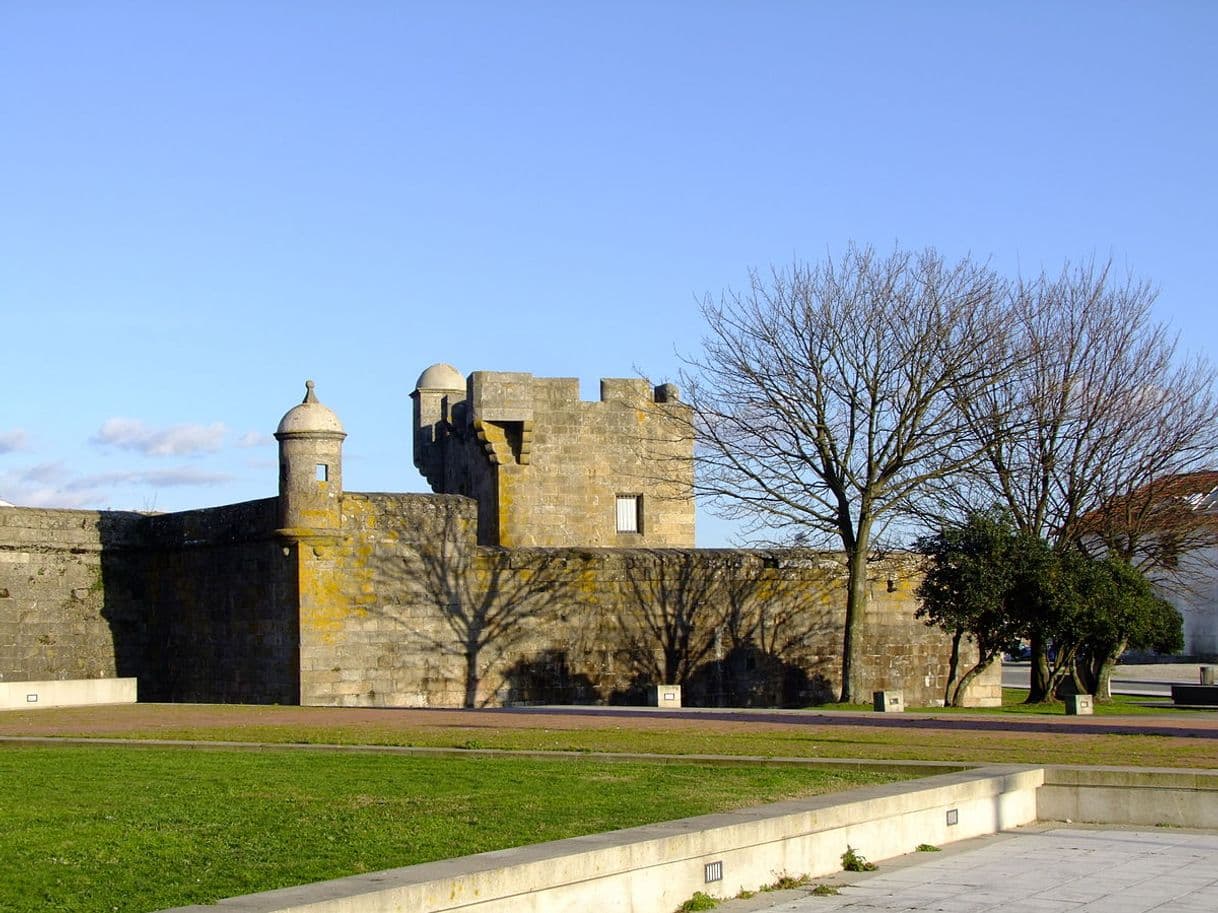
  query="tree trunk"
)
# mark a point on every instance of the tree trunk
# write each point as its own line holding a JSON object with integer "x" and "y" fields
{"x": 471, "y": 680}
{"x": 1080, "y": 678}
{"x": 1086, "y": 674}
{"x": 1039, "y": 690}
{"x": 1062, "y": 668}
{"x": 1103, "y": 685}
{"x": 967, "y": 679}
{"x": 853, "y": 690}
{"x": 949, "y": 697}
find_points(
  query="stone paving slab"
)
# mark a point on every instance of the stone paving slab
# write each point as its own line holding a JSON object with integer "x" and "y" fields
{"x": 1038, "y": 869}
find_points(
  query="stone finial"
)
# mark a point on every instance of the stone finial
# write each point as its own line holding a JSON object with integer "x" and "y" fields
{"x": 310, "y": 416}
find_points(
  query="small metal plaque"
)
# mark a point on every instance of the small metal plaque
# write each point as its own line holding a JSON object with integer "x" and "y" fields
{"x": 31, "y": 698}
{"x": 953, "y": 816}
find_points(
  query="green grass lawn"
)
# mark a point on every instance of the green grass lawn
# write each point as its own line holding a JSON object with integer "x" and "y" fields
{"x": 136, "y": 829}
{"x": 1031, "y": 737}
{"x": 1013, "y": 701}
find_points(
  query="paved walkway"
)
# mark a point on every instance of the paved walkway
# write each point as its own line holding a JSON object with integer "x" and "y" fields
{"x": 1040, "y": 869}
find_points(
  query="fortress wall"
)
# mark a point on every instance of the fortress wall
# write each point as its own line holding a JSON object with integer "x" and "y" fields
{"x": 372, "y": 631}
{"x": 54, "y": 608}
{"x": 404, "y": 610}
{"x": 735, "y": 628}
{"x": 401, "y": 608}
{"x": 198, "y": 606}
{"x": 219, "y": 593}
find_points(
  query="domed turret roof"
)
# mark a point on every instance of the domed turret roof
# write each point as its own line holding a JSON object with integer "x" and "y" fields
{"x": 441, "y": 376}
{"x": 309, "y": 416}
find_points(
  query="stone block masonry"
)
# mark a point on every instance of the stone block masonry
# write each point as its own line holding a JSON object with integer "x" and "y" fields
{"x": 405, "y": 609}
{"x": 54, "y": 621}
{"x": 198, "y": 606}
{"x": 401, "y": 607}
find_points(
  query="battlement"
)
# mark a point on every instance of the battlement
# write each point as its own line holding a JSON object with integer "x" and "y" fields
{"x": 550, "y": 469}
{"x": 516, "y": 391}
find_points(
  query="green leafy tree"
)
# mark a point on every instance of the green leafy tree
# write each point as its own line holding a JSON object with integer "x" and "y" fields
{"x": 994, "y": 584}
{"x": 1116, "y": 608}
{"x": 986, "y": 581}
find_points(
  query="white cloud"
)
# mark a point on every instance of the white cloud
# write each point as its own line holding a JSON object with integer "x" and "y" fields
{"x": 44, "y": 473}
{"x": 178, "y": 440}
{"x": 157, "y": 478}
{"x": 16, "y": 439}
{"x": 53, "y": 485}
{"x": 254, "y": 439}
{"x": 53, "y": 497}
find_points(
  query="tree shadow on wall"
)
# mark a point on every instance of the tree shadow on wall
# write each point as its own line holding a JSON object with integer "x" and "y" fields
{"x": 748, "y": 676}
{"x": 490, "y": 600}
{"x": 730, "y": 628}
{"x": 545, "y": 678}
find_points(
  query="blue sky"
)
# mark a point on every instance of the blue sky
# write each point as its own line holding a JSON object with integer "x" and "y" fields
{"x": 204, "y": 203}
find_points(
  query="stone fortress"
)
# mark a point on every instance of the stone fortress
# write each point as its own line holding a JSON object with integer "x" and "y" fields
{"x": 553, "y": 564}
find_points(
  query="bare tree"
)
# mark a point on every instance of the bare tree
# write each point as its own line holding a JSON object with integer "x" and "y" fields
{"x": 826, "y": 400}
{"x": 1100, "y": 408}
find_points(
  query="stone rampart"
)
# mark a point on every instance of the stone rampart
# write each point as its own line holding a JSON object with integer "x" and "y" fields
{"x": 398, "y": 606}
{"x": 218, "y": 590}
{"x": 198, "y": 606}
{"x": 404, "y": 609}
{"x": 53, "y": 618}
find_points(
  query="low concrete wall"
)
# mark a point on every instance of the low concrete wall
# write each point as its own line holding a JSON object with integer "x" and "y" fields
{"x": 1122, "y": 795}
{"x": 69, "y": 693}
{"x": 657, "y": 867}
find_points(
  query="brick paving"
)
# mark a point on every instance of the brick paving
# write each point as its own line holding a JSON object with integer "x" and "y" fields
{"x": 1040, "y": 869}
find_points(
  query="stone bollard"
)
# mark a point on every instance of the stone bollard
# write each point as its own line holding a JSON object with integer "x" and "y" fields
{"x": 664, "y": 696}
{"x": 1079, "y": 705}
{"x": 1208, "y": 674}
{"x": 888, "y": 701}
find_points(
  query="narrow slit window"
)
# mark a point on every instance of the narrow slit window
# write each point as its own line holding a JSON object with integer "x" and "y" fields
{"x": 323, "y": 472}
{"x": 629, "y": 513}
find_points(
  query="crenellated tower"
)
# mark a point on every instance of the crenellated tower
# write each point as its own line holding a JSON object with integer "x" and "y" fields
{"x": 549, "y": 469}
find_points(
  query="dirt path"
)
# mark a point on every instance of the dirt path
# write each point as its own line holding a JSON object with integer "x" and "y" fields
{"x": 115, "y": 720}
